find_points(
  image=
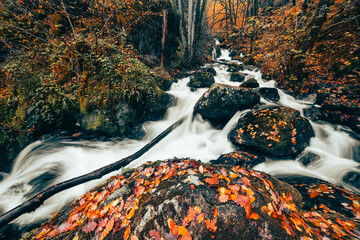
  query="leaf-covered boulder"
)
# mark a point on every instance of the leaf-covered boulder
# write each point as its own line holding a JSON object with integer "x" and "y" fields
{"x": 210, "y": 70}
{"x": 220, "y": 102}
{"x": 251, "y": 83}
{"x": 276, "y": 132}
{"x": 239, "y": 158}
{"x": 201, "y": 80}
{"x": 237, "y": 77}
{"x": 187, "y": 199}
{"x": 270, "y": 94}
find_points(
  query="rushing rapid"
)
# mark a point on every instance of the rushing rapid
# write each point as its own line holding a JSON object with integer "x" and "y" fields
{"x": 45, "y": 163}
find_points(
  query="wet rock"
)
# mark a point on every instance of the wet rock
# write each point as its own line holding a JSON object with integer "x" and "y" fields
{"x": 276, "y": 132}
{"x": 308, "y": 158}
{"x": 237, "y": 77}
{"x": 352, "y": 178}
{"x": 251, "y": 83}
{"x": 232, "y": 53}
{"x": 270, "y": 94}
{"x": 126, "y": 119}
{"x": 338, "y": 117}
{"x": 235, "y": 68}
{"x": 210, "y": 70}
{"x": 180, "y": 198}
{"x": 322, "y": 195}
{"x": 201, "y": 80}
{"x": 220, "y": 102}
{"x": 240, "y": 158}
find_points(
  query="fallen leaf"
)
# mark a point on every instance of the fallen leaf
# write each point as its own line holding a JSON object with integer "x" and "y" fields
{"x": 127, "y": 232}
{"x": 223, "y": 198}
{"x": 211, "y": 225}
{"x": 108, "y": 228}
{"x": 183, "y": 231}
{"x": 89, "y": 227}
{"x": 215, "y": 213}
{"x": 173, "y": 227}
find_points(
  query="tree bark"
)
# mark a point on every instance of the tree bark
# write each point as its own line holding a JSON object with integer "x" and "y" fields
{"x": 38, "y": 200}
{"x": 181, "y": 27}
{"x": 164, "y": 28}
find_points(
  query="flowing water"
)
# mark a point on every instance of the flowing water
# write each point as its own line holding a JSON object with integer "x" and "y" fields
{"x": 45, "y": 163}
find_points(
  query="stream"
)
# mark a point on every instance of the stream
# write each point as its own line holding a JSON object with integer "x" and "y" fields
{"x": 45, "y": 163}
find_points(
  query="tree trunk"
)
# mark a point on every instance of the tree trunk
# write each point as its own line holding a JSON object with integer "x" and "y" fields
{"x": 164, "y": 28}
{"x": 38, "y": 200}
{"x": 181, "y": 27}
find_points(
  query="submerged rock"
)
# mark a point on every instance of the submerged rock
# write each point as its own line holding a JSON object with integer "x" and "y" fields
{"x": 201, "y": 80}
{"x": 276, "y": 132}
{"x": 270, "y": 94}
{"x": 237, "y": 77}
{"x": 220, "y": 102}
{"x": 187, "y": 199}
{"x": 251, "y": 83}
{"x": 308, "y": 158}
{"x": 240, "y": 158}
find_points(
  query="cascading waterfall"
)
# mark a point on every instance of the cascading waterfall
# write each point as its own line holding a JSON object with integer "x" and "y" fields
{"x": 45, "y": 163}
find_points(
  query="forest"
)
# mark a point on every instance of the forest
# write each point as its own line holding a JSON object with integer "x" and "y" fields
{"x": 259, "y": 98}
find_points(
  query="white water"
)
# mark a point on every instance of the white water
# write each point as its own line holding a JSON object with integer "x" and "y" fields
{"x": 195, "y": 138}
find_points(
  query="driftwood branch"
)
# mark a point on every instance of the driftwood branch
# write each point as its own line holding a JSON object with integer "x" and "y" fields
{"x": 33, "y": 203}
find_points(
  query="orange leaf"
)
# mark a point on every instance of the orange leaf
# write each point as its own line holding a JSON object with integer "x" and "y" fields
{"x": 212, "y": 181}
{"x": 173, "y": 227}
{"x": 134, "y": 237}
{"x": 197, "y": 210}
{"x": 215, "y": 212}
{"x": 210, "y": 224}
{"x": 127, "y": 232}
{"x": 200, "y": 218}
{"x": 254, "y": 216}
{"x": 223, "y": 198}
{"x": 108, "y": 228}
{"x": 191, "y": 214}
{"x": 183, "y": 231}
{"x": 52, "y": 233}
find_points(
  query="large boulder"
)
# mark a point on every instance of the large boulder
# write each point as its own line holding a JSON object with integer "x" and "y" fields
{"x": 239, "y": 158}
{"x": 276, "y": 132}
{"x": 237, "y": 77}
{"x": 181, "y": 200}
{"x": 270, "y": 94}
{"x": 187, "y": 199}
{"x": 251, "y": 83}
{"x": 201, "y": 80}
{"x": 210, "y": 70}
{"x": 220, "y": 102}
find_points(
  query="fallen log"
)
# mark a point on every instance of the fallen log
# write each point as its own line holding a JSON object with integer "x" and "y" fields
{"x": 33, "y": 203}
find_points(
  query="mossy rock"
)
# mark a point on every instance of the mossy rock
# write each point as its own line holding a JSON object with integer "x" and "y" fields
{"x": 201, "y": 80}
{"x": 181, "y": 198}
{"x": 270, "y": 94}
{"x": 210, "y": 70}
{"x": 237, "y": 77}
{"x": 220, "y": 102}
{"x": 239, "y": 158}
{"x": 251, "y": 83}
{"x": 277, "y": 132}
